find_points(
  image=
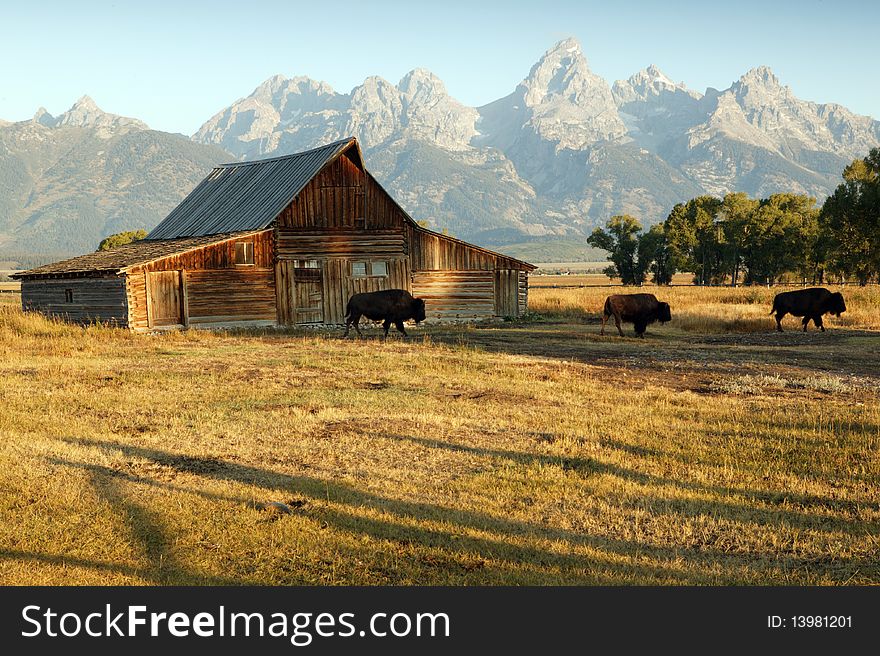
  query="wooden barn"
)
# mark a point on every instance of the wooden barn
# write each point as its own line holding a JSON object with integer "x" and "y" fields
{"x": 279, "y": 241}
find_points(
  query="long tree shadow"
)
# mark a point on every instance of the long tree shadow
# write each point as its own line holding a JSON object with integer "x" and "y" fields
{"x": 144, "y": 530}
{"x": 449, "y": 523}
{"x": 732, "y": 511}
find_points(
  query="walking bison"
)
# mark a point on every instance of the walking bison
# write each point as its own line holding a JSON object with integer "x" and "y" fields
{"x": 388, "y": 306}
{"x": 810, "y": 304}
{"x": 639, "y": 309}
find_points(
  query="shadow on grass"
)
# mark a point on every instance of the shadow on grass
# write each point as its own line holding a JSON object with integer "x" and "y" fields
{"x": 340, "y": 501}
{"x": 814, "y": 352}
{"x": 737, "y": 512}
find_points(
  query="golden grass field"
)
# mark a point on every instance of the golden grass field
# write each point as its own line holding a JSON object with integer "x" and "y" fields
{"x": 713, "y": 452}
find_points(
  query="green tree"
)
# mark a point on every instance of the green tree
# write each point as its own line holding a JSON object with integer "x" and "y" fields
{"x": 786, "y": 230}
{"x": 850, "y": 218}
{"x": 656, "y": 255}
{"x": 738, "y": 249}
{"x": 120, "y": 239}
{"x": 621, "y": 240}
{"x": 694, "y": 238}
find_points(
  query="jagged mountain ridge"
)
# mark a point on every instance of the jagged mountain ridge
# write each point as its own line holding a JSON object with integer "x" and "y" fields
{"x": 559, "y": 154}
{"x": 575, "y": 149}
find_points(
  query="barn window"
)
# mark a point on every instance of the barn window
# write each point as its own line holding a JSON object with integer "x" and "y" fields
{"x": 305, "y": 264}
{"x": 68, "y": 296}
{"x": 244, "y": 252}
{"x": 379, "y": 269}
{"x": 358, "y": 269}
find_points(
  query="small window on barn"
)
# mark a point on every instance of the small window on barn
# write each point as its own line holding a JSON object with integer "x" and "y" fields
{"x": 68, "y": 296}
{"x": 379, "y": 269}
{"x": 305, "y": 264}
{"x": 358, "y": 269}
{"x": 244, "y": 252}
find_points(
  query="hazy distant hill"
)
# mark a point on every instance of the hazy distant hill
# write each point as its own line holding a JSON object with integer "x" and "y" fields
{"x": 67, "y": 182}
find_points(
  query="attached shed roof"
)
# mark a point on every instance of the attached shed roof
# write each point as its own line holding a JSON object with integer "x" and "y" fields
{"x": 248, "y": 195}
{"x": 117, "y": 260}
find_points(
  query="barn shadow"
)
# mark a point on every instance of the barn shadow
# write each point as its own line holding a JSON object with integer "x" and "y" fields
{"x": 336, "y": 503}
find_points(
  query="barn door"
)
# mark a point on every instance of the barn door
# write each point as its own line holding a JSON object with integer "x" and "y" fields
{"x": 308, "y": 292}
{"x": 164, "y": 296}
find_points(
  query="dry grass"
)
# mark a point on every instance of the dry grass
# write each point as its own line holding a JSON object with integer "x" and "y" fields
{"x": 512, "y": 454}
{"x": 707, "y": 309}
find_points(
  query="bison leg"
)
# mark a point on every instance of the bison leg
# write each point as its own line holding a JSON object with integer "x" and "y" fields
{"x": 604, "y": 319}
{"x": 386, "y": 325}
{"x": 640, "y": 330}
{"x": 806, "y": 321}
{"x": 353, "y": 319}
{"x": 779, "y": 316}
{"x": 399, "y": 326}
{"x": 617, "y": 323}
{"x": 818, "y": 321}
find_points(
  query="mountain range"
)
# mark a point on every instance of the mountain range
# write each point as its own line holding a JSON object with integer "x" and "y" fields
{"x": 543, "y": 165}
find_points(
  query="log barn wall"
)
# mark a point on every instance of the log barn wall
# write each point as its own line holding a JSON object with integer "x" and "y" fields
{"x": 78, "y": 300}
{"x": 460, "y": 281}
{"x": 216, "y": 291}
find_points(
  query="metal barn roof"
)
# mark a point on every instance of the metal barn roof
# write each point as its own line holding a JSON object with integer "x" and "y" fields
{"x": 247, "y": 195}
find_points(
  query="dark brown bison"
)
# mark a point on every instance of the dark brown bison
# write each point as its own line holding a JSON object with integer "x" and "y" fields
{"x": 809, "y": 303}
{"x": 640, "y": 309}
{"x": 389, "y": 306}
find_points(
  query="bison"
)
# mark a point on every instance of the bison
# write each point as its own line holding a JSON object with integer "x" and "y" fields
{"x": 640, "y": 309}
{"x": 809, "y": 303}
{"x": 389, "y": 306}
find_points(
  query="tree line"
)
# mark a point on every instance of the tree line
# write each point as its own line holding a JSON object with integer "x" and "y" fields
{"x": 741, "y": 240}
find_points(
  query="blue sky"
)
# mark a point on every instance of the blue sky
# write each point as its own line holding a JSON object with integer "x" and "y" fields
{"x": 175, "y": 64}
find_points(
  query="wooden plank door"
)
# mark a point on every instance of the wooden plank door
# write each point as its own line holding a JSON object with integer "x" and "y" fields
{"x": 308, "y": 295}
{"x": 165, "y": 297}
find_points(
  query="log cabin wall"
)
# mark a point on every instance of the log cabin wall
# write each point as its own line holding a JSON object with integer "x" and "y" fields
{"x": 456, "y": 295}
{"x": 460, "y": 281}
{"x": 215, "y": 291}
{"x": 78, "y": 300}
{"x": 523, "y": 296}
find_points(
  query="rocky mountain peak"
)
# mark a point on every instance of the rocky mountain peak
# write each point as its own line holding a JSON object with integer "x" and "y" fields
{"x": 762, "y": 76}
{"x": 43, "y": 117}
{"x": 562, "y": 71}
{"x": 85, "y": 113}
{"x": 420, "y": 85}
{"x": 568, "y": 103}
